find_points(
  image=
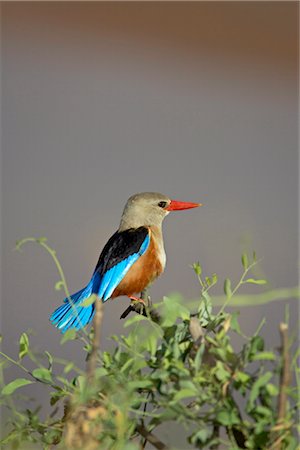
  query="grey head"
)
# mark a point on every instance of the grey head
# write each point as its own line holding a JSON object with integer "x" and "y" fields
{"x": 145, "y": 209}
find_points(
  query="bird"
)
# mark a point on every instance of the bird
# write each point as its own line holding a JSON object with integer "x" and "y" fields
{"x": 130, "y": 261}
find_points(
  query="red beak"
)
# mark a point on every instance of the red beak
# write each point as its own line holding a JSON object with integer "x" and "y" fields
{"x": 175, "y": 205}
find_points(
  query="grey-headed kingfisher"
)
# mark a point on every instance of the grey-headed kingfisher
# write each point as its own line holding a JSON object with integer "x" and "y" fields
{"x": 130, "y": 261}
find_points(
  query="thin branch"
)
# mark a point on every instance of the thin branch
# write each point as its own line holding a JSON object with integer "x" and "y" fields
{"x": 285, "y": 372}
{"x": 62, "y": 282}
{"x": 157, "y": 443}
{"x": 144, "y": 443}
{"x": 92, "y": 360}
{"x": 238, "y": 285}
{"x": 18, "y": 364}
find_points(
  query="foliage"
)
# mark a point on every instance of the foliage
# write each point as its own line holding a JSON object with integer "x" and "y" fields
{"x": 177, "y": 365}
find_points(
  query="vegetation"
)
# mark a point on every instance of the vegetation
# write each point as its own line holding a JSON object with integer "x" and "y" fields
{"x": 176, "y": 363}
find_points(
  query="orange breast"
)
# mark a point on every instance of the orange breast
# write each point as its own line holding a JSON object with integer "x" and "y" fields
{"x": 141, "y": 273}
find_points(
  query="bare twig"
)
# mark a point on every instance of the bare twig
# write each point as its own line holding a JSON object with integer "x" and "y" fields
{"x": 284, "y": 381}
{"x": 157, "y": 443}
{"x": 92, "y": 360}
{"x": 285, "y": 372}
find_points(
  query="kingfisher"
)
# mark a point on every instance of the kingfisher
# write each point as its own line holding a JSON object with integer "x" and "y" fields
{"x": 130, "y": 261}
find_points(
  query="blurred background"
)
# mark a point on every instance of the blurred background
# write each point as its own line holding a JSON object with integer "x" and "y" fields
{"x": 198, "y": 101}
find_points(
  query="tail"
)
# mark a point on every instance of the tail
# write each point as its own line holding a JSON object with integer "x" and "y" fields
{"x": 71, "y": 314}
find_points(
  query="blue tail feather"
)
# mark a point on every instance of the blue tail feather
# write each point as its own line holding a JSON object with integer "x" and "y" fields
{"x": 70, "y": 314}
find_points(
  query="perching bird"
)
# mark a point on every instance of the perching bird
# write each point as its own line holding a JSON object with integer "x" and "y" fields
{"x": 132, "y": 258}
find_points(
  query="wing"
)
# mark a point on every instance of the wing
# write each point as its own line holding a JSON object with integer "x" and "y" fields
{"x": 118, "y": 255}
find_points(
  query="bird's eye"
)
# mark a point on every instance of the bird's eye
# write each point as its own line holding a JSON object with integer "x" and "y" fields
{"x": 162, "y": 204}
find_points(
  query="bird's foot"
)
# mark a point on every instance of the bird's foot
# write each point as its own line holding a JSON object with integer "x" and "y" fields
{"x": 137, "y": 300}
{"x": 137, "y": 304}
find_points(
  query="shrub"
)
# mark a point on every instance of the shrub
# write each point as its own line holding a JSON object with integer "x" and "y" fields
{"x": 176, "y": 363}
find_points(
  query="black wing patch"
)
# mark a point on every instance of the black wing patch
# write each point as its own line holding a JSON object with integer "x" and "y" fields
{"x": 119, "y": 247}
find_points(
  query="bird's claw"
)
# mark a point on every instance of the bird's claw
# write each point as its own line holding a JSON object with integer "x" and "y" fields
{"x": 136, "y": 300}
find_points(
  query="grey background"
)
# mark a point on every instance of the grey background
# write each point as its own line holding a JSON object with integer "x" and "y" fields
{"x": 102, "y": 100}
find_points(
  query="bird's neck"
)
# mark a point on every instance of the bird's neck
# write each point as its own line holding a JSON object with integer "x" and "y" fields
{"x": 135, "y": 222}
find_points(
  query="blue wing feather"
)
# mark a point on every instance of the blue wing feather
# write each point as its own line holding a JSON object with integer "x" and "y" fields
{"x": 72, "y": 315}
{"x": 113, "y": 276}
{"x": 119, "y": 273}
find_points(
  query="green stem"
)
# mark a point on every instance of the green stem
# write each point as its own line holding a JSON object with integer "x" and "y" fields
{"x": 241, "y": 281}
{"x": 52, "y": 253}
{"x": 16, "y": 363}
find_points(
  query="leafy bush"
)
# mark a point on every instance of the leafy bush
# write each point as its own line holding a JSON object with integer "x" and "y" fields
{"x": 176, "y": 363}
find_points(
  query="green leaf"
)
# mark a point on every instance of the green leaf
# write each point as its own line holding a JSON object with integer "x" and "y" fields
{"x": 234, "y": 325}
{"x": 208, "y": 281}
{"x": 42, "y": 374}
{"x": 13, "y": 385}
{"x": 272, "y": 389}
{"x": 59, "y": 285}
{"x": 50, "y": 360}
{"x": 14, "y": 434}
{"x": 199, "y": 356}
{"x": 245, "y": 262}
{"x": 214, "y": 278}
{"x": 184, "y": 393}
{"x": 81, "y": 381}
{"x": 242, "y": 377}
{"x": 201, "y": 435}
{"x": 221, "y": 373}
{"x": 256, "y": 345}
{"x": 197, "y": 268}
{"x": 69, "y": 335}
{"x": 139, "y": 384}
{"x": 127, "y": 364}
{"x": 228, "y": 418}
{"x": 173, "y": 310}
{"x": 259, "y": 383}
{"x": 253, "y": 281}
{"x": 69, "y": 367}
{"x": 89, "y": 301}
{"x": 227, "y": 288}
{"x": 152, "y": 343}
{"x": 23, "y": 345}
{"x": 264, "y": 356}
{"x": 135, "y": 319}
{"x": 100, "y": 372}
{"x": 264, "y": 412}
